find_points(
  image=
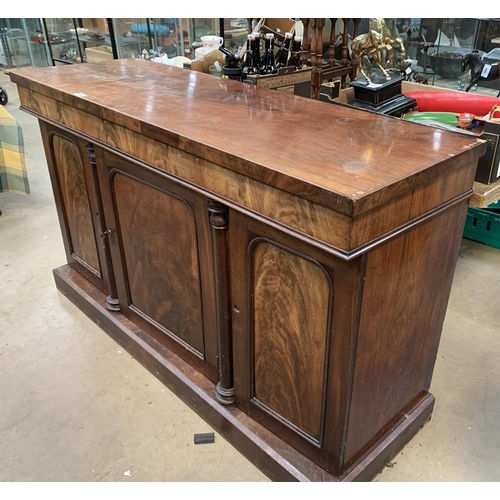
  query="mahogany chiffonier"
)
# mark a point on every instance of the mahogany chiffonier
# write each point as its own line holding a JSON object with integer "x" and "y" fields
{"x": 281, "y": 264}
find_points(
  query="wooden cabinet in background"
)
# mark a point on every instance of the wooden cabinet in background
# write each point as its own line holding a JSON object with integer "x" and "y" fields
{"x": 282, "y": 265}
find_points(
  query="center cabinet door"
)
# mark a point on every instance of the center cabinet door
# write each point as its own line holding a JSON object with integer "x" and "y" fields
{"x": 294, "y": 324}
{"x": 161, "y": 248}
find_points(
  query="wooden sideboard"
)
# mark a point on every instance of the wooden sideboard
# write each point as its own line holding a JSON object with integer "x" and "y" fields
{"x": 282, "y": 265}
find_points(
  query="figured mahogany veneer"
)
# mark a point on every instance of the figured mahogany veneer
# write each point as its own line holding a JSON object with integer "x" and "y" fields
{"x": 75, "y": 200}
{"x": 284, "y": 266}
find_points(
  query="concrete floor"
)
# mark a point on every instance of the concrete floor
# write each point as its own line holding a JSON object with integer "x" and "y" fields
{"x": 74, "y": 406}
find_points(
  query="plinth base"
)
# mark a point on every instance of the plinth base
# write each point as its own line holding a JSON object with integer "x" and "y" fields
{"x": 275, "y": 458}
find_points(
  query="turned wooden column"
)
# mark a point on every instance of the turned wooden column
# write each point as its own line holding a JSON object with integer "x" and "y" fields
{"x": 317, "y": 26}
{"x": 305, "y": 40}
{"x": 345, "y": 50}
{"x": 249, "y": 19}
{"x": 313, "y": 42}
{"x": 224, "y": 391}
{"x": 345, "y": 39}
{"x": 331, "y": 52}
{"x": 112, "y": 302}
{"x": 356, "y": 21}
{"x": 320, "y": 24}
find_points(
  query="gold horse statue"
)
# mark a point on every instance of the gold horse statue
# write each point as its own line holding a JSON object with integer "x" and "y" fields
{"x": 376, "y": 44}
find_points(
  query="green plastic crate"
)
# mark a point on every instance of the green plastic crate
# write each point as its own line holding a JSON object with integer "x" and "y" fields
{"x": 483, "y": 225}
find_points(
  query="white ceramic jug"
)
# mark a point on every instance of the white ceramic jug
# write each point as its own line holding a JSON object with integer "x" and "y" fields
{"x": 209, "y": 43}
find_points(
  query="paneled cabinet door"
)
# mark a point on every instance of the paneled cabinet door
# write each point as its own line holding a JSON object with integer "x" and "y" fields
{"x": 293, "y": 317}
{"x": 74, "y": 182}
{"x": 161, "y": 248}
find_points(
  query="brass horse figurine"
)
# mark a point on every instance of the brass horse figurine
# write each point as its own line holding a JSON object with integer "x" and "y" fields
{"x": 373, "y": 45}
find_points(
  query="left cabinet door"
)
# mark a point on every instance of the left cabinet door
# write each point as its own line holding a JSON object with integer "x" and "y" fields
{"x": 162, "y": 253}
{"x": 76, "y": 193}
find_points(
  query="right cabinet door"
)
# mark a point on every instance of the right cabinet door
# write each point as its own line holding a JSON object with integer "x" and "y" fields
{"x": 294, "y": 324}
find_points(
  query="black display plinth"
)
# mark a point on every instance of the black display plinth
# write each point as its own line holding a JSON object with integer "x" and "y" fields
{"x": 396, "y": 106}
{"x": 385, "y": 98}
{"x": 377, "y": 93}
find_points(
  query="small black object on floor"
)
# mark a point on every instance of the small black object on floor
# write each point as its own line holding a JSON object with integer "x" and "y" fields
{"x": 205, "y": 438}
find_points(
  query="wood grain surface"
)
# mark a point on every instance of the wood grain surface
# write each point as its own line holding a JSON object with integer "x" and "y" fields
{"x": 89, "y": 203}
{"x": 313, "y": 220}
{"x": 73, "y": 188}
{"x": 347, "y": 159}
{"x": 158, "y": 234}
{"x": 186, "y": 203}
{"x": 219, "y": 222}
{"x": 300, "y": 214}
{"x": 406, "y": 290}
{"x": 290, "y": 323}
{"x": 302, "y": 290}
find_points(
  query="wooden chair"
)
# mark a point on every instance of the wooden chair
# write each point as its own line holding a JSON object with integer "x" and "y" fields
{"x": 312, "y": 54}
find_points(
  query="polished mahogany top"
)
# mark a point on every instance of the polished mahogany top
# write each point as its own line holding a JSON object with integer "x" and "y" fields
{"x": 342, "y": 157}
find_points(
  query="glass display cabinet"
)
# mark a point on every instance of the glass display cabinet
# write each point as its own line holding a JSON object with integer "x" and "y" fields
{"x": 434, "y": 46}
{"x": 235, "y": 32}
{"x": 437, "y": 45}
{"x": 72, "y": 40}
{"x": 452, "y": 38}
{"x": 136, "y": 37}
{"x": 488, "y": 34}
{"x": 22, "y": 44}
{"x": 199, "y": 27}
{"x": 177, "y": 42}
{"x": 132, "y": 37}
